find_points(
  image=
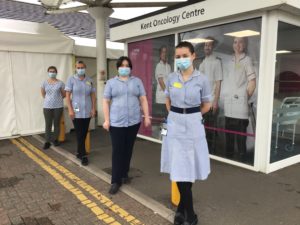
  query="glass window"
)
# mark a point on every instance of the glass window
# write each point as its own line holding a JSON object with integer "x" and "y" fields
{"x": 153, "y": 60}
{"x": 229, "y": 56}
{"x": 286, "y": 107}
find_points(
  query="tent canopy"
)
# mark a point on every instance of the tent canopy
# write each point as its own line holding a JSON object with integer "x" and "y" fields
{"x": 23, "y": 36}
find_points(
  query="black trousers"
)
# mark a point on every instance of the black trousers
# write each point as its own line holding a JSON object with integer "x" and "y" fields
{"x": 239, "y": 125}
{"x": 122, "y": 139}
{"x": 81, "y": 126}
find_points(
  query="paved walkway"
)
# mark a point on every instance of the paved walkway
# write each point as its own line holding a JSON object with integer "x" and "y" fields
{"x": 230, "y": 196}
{"x": 43, "y": 188}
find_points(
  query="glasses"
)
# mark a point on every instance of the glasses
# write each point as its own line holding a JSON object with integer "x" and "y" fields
{"x": 80, "y": 67}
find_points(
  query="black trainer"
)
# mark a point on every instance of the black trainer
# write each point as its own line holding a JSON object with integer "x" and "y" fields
{"x": 47, "y": 145}
{"x": 195, "y": 221}
{"x": 84, "y": 161}
{"x": 179, "y": 218}
{"x": 56, "y": 143}
{"x": 78, "y": 156}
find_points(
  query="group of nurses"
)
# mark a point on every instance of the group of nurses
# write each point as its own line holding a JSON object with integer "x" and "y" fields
{"x": 81, "y": 102}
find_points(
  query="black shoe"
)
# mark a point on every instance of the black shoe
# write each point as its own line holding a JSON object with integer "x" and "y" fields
{"x": 78, "y": 156}
{"x": 114, "y": 188}
{"x": 56, "y": 143}
{"x": 195, "y": 221}
{"x": 126, "y": 180}
{"x": 84, "y": 161}
{"x": 179, "y": 218}
{"x": 47, "y": 145}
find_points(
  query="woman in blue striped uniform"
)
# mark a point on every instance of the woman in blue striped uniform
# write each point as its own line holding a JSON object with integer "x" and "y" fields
{"x": 124, "y": 97}
{"x": 184, "y": 151}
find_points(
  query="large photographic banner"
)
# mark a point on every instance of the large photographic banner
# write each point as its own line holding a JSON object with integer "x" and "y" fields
{"x": 152, "y": 62}
{"x": 229, "y": 56}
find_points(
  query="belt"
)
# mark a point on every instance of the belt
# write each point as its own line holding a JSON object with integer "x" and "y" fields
{"x": 185, "y": 110}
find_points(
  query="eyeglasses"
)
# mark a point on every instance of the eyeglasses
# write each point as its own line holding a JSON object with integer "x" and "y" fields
{"x": 80, "y": 67}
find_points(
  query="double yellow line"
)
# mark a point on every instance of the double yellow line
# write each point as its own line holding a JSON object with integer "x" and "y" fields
{"x": 63, "y": 176}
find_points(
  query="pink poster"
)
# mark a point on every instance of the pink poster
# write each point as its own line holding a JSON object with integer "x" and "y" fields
{"x": 141, "y": 55}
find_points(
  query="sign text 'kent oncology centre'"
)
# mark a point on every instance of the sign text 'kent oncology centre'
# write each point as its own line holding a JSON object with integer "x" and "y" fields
{"x": 173, "y": 19}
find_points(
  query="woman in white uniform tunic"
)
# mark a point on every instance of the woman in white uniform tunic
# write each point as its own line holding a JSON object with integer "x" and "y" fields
{"x": 184, "y": 151}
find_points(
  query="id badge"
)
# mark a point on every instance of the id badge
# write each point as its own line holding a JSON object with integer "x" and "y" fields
{"x": 76, "y": 107}
{"x": 164, "y": 132}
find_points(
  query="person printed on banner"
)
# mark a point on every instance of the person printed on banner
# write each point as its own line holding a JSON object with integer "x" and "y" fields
{"x": 184, "y": 152}
{"x": 241, "y": 85}
{"x": 211, "y": 66}
{"x": 81, "y": 101}
{"x": 124, "y": 97}
{"x": 162, "y": 71}
{"x": 53, "y": 93}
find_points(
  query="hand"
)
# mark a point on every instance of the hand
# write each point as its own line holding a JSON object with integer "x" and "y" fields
{"x": 106, "y": 125}
{"x": 147, "y": 122}
{"x": 72, "y": 114}
{"x": 93, "y": 113}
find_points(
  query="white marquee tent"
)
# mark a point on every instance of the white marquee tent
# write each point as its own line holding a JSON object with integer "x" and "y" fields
{"x": 26, "y": 51}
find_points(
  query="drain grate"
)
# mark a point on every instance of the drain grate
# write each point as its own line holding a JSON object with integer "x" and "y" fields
{"x": 36, "y": 221}
{"x": 9, "y": 182}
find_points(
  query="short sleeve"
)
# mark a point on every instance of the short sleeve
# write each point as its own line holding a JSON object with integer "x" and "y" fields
{"x": 206, "y": 90}
{"x": 93, "y": 87}
{"x": 43, "y": 85}
{"x": 69, "y": 85}
{"x": 62, "y": 86}
{"x": 142, "y": 91}
{"x": 218, "y": 70}
{"x": 250, "y": 69}
{"x": 107, "y": 91}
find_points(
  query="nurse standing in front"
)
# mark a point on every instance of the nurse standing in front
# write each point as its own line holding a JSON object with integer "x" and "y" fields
{"x": 184, "y": 150}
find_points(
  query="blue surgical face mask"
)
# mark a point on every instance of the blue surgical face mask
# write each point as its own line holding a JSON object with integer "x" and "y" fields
{"x": 183, "y": 63}
{"x": 124, "y": 71}
{"x": 80, "y": 72}
{"x": 52, "y": 75}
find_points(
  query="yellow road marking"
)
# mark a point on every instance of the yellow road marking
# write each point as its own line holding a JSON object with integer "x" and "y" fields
{"x": 96, "y": 194}
{"x": 95, "y": 209}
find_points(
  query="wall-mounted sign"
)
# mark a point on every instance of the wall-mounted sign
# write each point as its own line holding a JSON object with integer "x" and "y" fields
{"x": 172, "y": 19}
{"x": 192, "y": 14}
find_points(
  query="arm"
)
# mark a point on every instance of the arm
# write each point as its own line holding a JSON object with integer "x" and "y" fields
{"x": 69, "y": 104}
{"x": 43, "y": 92}
{"x": 217, "y": 95}
{"x": 106, "y": 103}
{"x": 168, "y": 104}
{"x": 63, "y": 93}
{"x": 205, "y": 107}
{"x": 144, "y": 104}
{"x": 161, "y": 83}
{"x": 251, "y": 87}
{"x": 93, "y": 97}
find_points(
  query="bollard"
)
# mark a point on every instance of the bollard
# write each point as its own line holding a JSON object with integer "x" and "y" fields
{"x": 175, "y": 195}
{"x": 62, "y": 129}
{"x": 88, "y": 142}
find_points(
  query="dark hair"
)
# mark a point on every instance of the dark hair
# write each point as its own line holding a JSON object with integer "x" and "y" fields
{"x": 186, "y": 44}
{"x": 120, "y": 61}
{"x": 80, "y": 62}
{"x": 161, "y": 48}
{"x": 52, "y": 68}
{"x": 213, "y": 40}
